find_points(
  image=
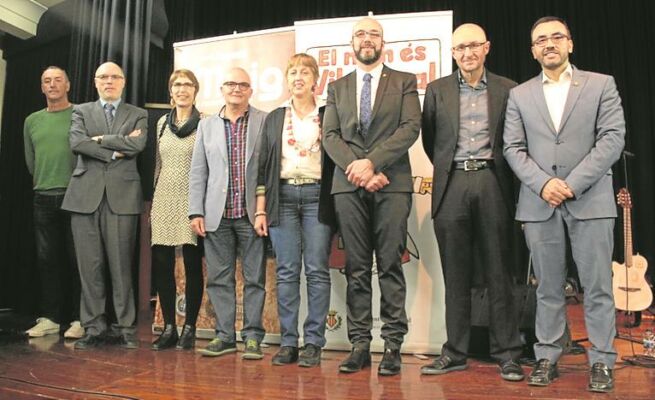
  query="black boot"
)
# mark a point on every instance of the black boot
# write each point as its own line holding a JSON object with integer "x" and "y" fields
{"x": 187, "y": 338}
{"x": 167, "y": 339}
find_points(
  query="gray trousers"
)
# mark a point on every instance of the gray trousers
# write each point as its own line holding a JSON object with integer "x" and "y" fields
{"x": 591, "y": 244}
{"x": 103, "y": 239}
{"x": 221, "y": 249}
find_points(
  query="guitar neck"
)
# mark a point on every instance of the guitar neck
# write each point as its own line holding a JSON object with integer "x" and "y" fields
{"x": 627, "y": 236}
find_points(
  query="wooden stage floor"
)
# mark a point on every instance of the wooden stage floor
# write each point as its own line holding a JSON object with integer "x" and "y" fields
{"x": 49, "y": 368}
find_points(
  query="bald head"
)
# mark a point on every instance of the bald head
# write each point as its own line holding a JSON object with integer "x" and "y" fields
{"x": 367, "y": 43}
{"x": 110, "y": 81}
{"x": 470, "y": 49}
{"x": 467, "y": 33}
{"x": 236, "y": 88}
{"x": 367, "y": 24}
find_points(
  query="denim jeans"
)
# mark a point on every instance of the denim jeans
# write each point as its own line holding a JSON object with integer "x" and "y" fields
{"x": 301, "y": 237}
{"x": 221, "y": 255}
{"x": 55, "y": 259}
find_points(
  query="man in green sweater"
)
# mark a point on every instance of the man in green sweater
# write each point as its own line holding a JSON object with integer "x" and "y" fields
{"x": 50, "y": 162}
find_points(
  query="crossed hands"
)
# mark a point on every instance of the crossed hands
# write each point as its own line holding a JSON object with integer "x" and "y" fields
{"x": 361, "y": 173}
{"x": 117, "y": 154}
{"x": 556, "y": 191}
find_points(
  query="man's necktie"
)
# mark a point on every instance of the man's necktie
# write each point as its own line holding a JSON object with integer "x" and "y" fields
{"x": 365, "y": 105}
{"x": 109, "y": 113}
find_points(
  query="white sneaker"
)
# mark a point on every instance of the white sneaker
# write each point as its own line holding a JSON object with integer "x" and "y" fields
{"x": 75, "y": 331}
{"x": 43, "y": 327}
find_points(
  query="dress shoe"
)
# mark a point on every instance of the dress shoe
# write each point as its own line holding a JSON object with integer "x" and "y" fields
{"x": 88, "y": 342}
{"x": 359, "y": 358}
{"x": 187, "y": 339}
{"x": 128, "y": 341}
{"x": 543, "y": 373}
{"x": 510, "y": 370}
{"x": 286, "y": 355}
{"x": 390, "y": 364}
{"x": 310, "y": 356}
{"x": 600, "y": 378}
{"x": 443, "y": 365}
{"x": 167, "y": 339}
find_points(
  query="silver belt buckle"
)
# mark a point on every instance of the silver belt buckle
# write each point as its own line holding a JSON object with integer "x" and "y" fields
{"x": 473, "y": 167}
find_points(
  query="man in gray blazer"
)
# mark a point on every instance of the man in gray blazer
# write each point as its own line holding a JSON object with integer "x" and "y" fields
{"x": 563, "y": 131}
{"x": 472, "y": 200}
{"x": 372, "y": 118}
{"x": 104, "y": 196}
{"x": 222, "y": 204}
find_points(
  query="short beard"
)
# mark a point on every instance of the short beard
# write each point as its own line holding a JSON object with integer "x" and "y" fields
{"x": 368, "y": 61}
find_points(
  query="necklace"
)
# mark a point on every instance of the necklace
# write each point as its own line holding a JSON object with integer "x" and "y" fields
{"x": 301, "y": 150}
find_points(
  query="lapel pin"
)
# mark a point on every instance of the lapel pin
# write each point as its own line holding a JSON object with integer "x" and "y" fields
{"x": 575, "y": 83}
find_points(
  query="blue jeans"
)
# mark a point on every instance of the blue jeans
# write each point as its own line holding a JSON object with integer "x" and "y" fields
{"x": 221, "y": 255}
{"x": 300, "y": 236}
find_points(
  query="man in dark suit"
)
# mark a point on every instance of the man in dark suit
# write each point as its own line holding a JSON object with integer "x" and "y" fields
{"x": 564, "y": 129}
{"x": 104, "y": 196}
{"x": 472, "y": 202}
{"x": 371, "y": 119}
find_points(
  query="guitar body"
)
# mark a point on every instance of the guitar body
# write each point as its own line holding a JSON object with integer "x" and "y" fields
{"x": 631, "y": 291}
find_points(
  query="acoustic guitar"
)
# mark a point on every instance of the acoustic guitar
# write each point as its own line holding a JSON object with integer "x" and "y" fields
{"x": 631, "y": 291}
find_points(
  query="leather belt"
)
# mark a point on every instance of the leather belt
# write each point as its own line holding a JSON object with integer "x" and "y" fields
{"x": 473, "y": 165}
{"x": 300, "y": 181}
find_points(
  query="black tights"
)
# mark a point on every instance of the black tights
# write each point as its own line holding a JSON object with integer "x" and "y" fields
{"x": 163, "y": 264}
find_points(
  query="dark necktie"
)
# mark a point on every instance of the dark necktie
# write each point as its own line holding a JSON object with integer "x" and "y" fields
{"x": 109, "y": 113}
{"x": 365, "y": 105}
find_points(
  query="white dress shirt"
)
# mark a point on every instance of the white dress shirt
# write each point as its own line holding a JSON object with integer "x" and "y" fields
{"x": 556, "y": 93}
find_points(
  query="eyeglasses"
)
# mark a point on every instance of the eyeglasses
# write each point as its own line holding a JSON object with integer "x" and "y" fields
{"x": 471, "y": 46}
{"x": 361, "y": 34}
{"x": 233, "y": 85}
{"x": 179, "y": 85}
{"x": 106, "y": 78}
{"x": 556, "y": 38}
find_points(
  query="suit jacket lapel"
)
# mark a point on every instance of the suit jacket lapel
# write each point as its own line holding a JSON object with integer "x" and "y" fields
{"x": 495, "y": 103}
{"x": 119, "y": 118}
{"x": 221, "y": 142}
{"x": 100, "y": 120}
{"x": 351, "y": 92}
{"x": 379, "y": 94}
{"x": 537, "y": 89}
{"x": 251, "y": 134}
{"x": 578, "y": 81}
{"x": 450, "y": 97}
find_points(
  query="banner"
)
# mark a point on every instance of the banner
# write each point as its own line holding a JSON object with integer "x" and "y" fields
{"x": 418, "y": 43}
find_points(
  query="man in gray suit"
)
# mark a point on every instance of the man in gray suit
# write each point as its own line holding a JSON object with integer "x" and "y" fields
{"x": 472, "y": 200}
{"x": 563, "y": 131}
{"x": 222, "y": 203}
{"x": 372, "y": 117}
{"x": 104, "y": 196}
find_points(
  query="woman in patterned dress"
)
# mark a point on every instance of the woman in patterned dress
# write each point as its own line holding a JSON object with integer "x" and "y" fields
{"x": 176, "y": 135}
{"x": 294, "y": 205}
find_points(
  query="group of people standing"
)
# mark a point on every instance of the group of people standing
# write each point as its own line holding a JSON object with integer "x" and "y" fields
{"x": 296, "y": 174}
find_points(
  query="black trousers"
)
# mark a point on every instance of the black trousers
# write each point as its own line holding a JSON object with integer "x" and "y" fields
{"x": 55, "y": 257}
{"x": 163, "y": 268}
{"x": 374, "y": 222}
{"x": 473, "y": 219}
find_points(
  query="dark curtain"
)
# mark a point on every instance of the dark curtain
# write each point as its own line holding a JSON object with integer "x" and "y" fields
{"x": 111, "y": 30}
{"x": 610, "y": 37}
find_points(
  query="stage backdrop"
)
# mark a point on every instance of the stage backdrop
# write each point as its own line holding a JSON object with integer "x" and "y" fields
{"x": 418, "y": 43}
